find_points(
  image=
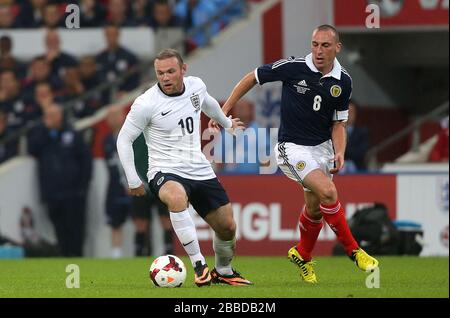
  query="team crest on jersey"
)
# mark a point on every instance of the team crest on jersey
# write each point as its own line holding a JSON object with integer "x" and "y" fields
{"x": 195, "y": 100}
{"x": 300, "y": 165}
{"x": 335, "y": 90}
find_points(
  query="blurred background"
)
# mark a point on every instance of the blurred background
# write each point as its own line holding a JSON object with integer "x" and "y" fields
{"x": 66, "y": 87}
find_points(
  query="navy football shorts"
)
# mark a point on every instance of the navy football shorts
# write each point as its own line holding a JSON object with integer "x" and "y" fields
{"x": 204, "y": 195}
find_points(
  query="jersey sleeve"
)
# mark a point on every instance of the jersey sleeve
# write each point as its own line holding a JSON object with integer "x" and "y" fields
{"x": 212, "y": 109}
{"x": 341, "y": 110}
{"x": 137, "y": 119}
{"x": 140, "y": 113}
{"x": 273, "y": 72}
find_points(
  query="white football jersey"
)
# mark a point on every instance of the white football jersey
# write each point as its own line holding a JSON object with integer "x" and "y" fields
{"x": 171, "y": 127}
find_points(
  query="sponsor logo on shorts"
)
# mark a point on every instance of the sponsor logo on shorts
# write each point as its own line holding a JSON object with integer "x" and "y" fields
{"x": 335, "y": 90}
{"x": 300, "y": 165}
{"x": 160, "y": 180}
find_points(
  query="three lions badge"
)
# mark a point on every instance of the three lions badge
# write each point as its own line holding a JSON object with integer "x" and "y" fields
{"x": 195, "y": 100}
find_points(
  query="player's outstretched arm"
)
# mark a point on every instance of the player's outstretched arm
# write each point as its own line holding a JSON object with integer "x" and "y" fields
{"x": 241, "y": 88}
{"x": 128, "y": 133}
{"x": 212, "y": 109}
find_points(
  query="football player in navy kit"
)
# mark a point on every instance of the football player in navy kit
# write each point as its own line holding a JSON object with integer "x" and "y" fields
{"x": 312, "y": 140}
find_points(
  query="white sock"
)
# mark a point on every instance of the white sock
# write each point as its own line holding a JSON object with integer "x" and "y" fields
{"x": 224, "y": 251}
{"x": 116, "y": 252}
{"x": 184, "y": 227}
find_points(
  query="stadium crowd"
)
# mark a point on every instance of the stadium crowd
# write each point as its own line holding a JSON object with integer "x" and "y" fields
{"x": 28, "y": 87}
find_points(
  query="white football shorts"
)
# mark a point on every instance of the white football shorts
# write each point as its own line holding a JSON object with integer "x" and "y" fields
{"x": 297, "y": 161}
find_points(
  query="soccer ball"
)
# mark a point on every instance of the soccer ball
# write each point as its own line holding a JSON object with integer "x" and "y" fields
{"x": 167, "y": 271}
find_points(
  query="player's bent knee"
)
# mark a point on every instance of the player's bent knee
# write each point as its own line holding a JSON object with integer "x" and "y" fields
{"x": 328, "y": 195}
{"x": 175, "y": 201}
{"x": 227, "y": 232}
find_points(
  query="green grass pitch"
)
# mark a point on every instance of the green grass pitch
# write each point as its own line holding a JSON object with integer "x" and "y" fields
{"x": 274, "y": 277}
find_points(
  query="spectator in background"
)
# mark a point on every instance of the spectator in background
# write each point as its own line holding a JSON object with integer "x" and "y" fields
{"x": 241, "y": 152}
{"x": 73, "y": 88}
{"x": 357, "y": 142}
{"x": 118, "y": 201}
{"x": 9, "y": 149}
{"x": 90, "y": 78}
{"x": 31, "y": 13}
{"x": 118, "y": 13}
{"x": 8, "y": 17}
{"x": 7, "y": 60}
{"x": 39, "y": 71}
{"x": 5, "y": 46}
{"x": 92, "y": 13}
{"x": 141, "y": 11}
{"x": 194, "y": 13}
{"x": 11, "y": 100}
{"x": 57, "y": 59}
{"x": 439, "y": 153}
{"x": 64, "y": 168}
{"x": 162, "y": 15}
{"x": 88, "y": 72}
{"x": 43, "y": 98}
{"x": 52, "y": 16}
{"x": 115, "y": 61}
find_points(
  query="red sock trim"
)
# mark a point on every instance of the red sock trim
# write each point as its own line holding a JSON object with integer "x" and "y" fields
{"x": 330, "y": 209}
{"x": 307, "y": 217}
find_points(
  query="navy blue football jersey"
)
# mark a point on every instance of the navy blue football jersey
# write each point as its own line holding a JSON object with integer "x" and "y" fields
{"x": 310, "y": 102}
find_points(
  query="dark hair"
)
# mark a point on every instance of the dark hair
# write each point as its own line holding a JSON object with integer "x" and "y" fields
{"x": 169, "y": 53}
{"x": 328, "y": 27}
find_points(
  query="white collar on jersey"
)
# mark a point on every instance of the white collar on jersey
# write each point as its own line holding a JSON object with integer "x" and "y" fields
{"x": 335, "y": 72}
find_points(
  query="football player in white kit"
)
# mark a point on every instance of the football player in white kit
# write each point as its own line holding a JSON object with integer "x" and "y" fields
{"x": 169, "y": 116}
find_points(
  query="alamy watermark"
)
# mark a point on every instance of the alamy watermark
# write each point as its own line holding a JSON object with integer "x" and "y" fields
{"x": 373, "y": 279}
{"x": 393, "y": 8}
{"x": 373, "y": 19}
{"x": 73, "y": 17}
{"x": 244, "y": 146}
{"x": 73, "y": 279}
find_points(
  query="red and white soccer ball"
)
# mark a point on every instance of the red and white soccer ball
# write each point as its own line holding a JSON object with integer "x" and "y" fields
{"x": 168, "y": 271}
